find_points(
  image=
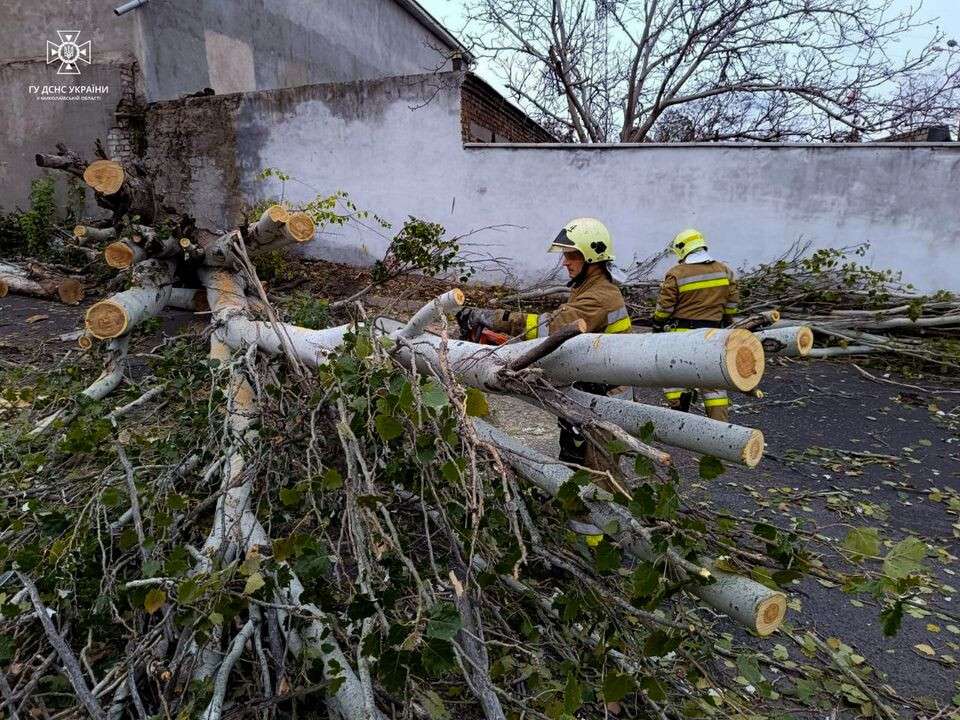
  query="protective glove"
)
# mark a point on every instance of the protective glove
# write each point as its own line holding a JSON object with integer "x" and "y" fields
{"x": 471, "y": 317}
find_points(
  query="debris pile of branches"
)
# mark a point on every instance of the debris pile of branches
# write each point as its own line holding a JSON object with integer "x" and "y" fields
{"x": 303, "y": 513}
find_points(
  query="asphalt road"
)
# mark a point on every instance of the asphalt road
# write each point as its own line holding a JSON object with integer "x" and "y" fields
{"x": 831, "y": 407}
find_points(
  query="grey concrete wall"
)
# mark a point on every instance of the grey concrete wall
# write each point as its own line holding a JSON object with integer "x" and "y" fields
{"x": 32, "y": 123}
{"x": 395, "y": 146}
{"x": 242, "y": 45}
{"x": 229, "y": 45}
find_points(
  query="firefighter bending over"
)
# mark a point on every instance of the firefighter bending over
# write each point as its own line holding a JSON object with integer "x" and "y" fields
{"x": 698, "y": 292}
{"x": 587, "y": 252}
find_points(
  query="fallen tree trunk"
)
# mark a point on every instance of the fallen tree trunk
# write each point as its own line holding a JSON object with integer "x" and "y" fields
{"x": 119, "y": 314}
{"x": 725, "y": 441}
{"x": 722, "y": 359}
{"x": 787, "y": 341}
{"x": 749, "y": 603}
{"x": 33, "y": 280}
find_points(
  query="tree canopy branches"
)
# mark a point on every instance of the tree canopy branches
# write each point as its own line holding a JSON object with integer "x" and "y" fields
{"x": 707, "y": 70}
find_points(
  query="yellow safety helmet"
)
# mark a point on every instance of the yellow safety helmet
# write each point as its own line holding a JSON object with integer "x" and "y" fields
{"x": 589, "y": 236}
{"x": 686, "y": 242}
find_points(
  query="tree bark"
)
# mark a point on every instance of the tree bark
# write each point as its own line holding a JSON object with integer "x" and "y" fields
{"x": 725, "y": 441}
{"x": 33, "y": 280}
{"x": 723, "y": 359}
{"x": 749, "y": 603}
{"x": 787, "y": 341}
{"x": 119, "y": 314}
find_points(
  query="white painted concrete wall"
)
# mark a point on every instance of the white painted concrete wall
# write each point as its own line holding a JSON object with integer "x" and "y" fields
{"x": 399, "y": 155}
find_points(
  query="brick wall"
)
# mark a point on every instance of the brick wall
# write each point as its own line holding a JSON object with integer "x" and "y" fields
{"x": 125, "y": 139}
{"x": 487, "y": 117}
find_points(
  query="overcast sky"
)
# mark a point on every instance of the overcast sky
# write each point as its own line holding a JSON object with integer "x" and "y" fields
{"x": 450, "y": 13}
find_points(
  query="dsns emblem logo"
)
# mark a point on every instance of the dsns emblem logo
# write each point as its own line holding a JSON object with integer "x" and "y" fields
{"x": 68, "y": 53}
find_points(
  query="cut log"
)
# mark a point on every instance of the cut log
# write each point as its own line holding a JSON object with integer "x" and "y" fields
{"x": 275, "y": 229}
{"x": 749, "y": 603}
{"x": 725, "y": 441}
{"x": 123, "y": 254}
{"x": 86, "y": 234}
{"x": 721, "y": 359}
{"x": 116, "y": 188}
{"x": 119, "y": 314}
{"x": 34, "y": 280}
{"x": 787, "y": 341}
{"x": 300, "y": 227}
{"x": 104, "y": 176}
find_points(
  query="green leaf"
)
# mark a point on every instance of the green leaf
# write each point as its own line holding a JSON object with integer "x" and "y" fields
{"x": 444, "y": 623}
{"x": 617, "y": 686}
{"x": 254, "y": 583}
{"x": 905, "y": 558}
{"x": 749, "y": 669}
{"x": 331, "y": 480}
{"x": 659, "y": 643}
{"x": 290, "y": 497}
{"x": 188, "y": 591}
{"x": 644, "y": 503}
{"x": 154, "y": 600}
{"x": 434, "y": 395}
{"x": 646, "y": 432}
{"x": 892, "y": 617}
{"x": 111, "y": 497}
{"x": 863, "y": 542}
{"x": 6, "y": 648}
{"x": 451, "y": 471}
{"x": 128, "y": 539}
{"x": 437, "y": 657}
{"x": 572, "y": 695}
{"x": 388, "y": 427}
{"x": 643, "y": 466}
{"x": 434, "y": 706}
{"x": 607, "y": 558}
{"x": 645, "y": 581}
{"x": 668, "y": 502}
{"x": 710, "y": 467}
{"x": 477, "y": 405}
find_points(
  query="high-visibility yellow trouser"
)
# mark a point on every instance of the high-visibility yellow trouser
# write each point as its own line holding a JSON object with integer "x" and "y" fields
{"x": 715, "y": 402}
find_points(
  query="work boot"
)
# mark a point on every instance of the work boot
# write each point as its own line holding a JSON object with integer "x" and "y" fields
{"x": 719, "y": 412}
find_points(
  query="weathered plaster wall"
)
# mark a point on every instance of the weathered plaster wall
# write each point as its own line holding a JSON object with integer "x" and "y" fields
{"x": 32, "y": 122}
{"x": 395, "y": 146}
{"x": 242, "y": 45}
{"x": 229, "y": 45}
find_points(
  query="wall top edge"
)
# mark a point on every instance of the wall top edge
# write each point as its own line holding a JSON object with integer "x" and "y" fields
{"x": 954, "y": 146}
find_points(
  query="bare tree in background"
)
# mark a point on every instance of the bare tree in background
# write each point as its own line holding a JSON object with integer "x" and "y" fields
{"x": 685, "y": 70}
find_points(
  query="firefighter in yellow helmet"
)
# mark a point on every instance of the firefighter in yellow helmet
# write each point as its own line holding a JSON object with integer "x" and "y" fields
{"x": 698, "y": 292}
{"x": 587, "y": 252}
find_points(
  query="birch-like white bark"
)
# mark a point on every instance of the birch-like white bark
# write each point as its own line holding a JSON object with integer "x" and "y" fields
{"x": 749, "y": 603}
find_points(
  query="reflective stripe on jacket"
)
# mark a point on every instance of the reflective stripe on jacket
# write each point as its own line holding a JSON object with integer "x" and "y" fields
{"x": 596, "y": 300}
{"x": 697, "y": 291}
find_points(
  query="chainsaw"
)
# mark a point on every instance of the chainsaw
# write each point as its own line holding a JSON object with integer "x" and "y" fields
{"x": 479, "y": 333}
